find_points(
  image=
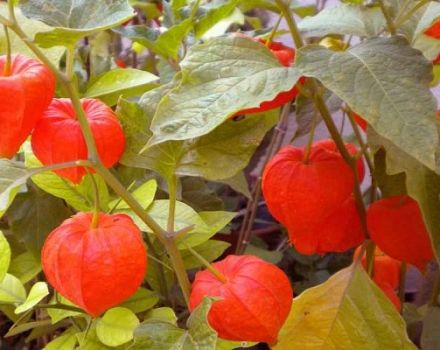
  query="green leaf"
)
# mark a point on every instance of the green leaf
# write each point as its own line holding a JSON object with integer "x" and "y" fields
{"x": 214, "y": 75}
{"x": 199, "y": 195}
{"x": 222, "y": 26}
{"x": 206, "y": 224}
{"x": 144, "y": 194}
{"x": 387, "y": 83}
{"x": 347, "y": 312}
{"x": 210, "y": 156}
{"x": 66, "y": 341}
{"x": 345, "y": 20}
{"x": 5, "y": 256}
{"x": 158, "y": 335}
{"x": 81, "y": 197}
{"x": 166, "y": 44}
{"x": 57, "y": 315}
{"x": 116, "y": 327}
{"x": 128, "y": 82}
{"x": 30, "y": 27}
{"x": 25, "y": 267}
{"x": 33, "y": 215}
{"x": 163, "y": 314}
{"x": 74, "y": 19}
{"x": 210, "y": 250}
{"x": 12, "y": 176}
{"x": 90, "y": 341}
{"x": 140, "y": 301}
{"x": 12, "y": 290}
{"x": 214, "y": 15}
{"x": 37, "y": 293}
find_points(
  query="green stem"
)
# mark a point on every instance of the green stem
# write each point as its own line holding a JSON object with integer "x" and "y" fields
{"x": 221, "y": 277}
{"x": 97, "y": 207}
{"x": 173, "y": 252}
{"x": 311, "y": 137}
{"x": 179, "y": 267}
{"x": 59, "y": 307}
{"x": 70, "y": 62}
{"x": 291, "y": 23}
{"x": 388, "y": 19}
{"x": 8, "y": 65}
{"x": 274, "y": 30}
{"x": 172, "y": 191}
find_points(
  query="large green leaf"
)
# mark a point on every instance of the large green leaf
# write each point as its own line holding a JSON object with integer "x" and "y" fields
{"x": 344, "y": 19}
{"x": 219, "y": 155}
{"x": 159, "y": 335}
{"x": 33, "y": 215}
{"x": 387, "y": 83}
{"x": 347, "y": 312}
{"x": 12, "y": 176}
{"x": 74, "y": 19}
{"x": 128, "y": 82}
{"x": 30, "y": 27}
{"x": 214, "y": 76}
{"x": 5, "y": 256}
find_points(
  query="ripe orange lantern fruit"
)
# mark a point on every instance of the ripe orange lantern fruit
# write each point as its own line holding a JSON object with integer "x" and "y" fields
{"x": 95, "y": 268}
{"x": 254, "y": 300}
{"x": 57, "y": 138}
{"x": 313, "y": 198}
{"x": 286, "y": 56}
{"x": 396, "y": 226}
{"x": 25, "y": 92}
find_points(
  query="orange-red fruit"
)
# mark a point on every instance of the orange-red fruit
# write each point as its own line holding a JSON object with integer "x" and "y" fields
{"x": 24, "y": 95}
{"x": 396, "y": 226}
{"x": 253, "y": 303}
{"x": 57, "y": 138}
{"x": 286, "y": 56}
{"x": 95, "y": 268}
{"x": 314, "y": 199}
{"x": 434, "y": 30}
{"x": 386, "y": 274}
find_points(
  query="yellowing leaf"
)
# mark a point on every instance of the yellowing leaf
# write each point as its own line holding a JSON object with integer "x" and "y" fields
{"x": 348, "y": 312}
